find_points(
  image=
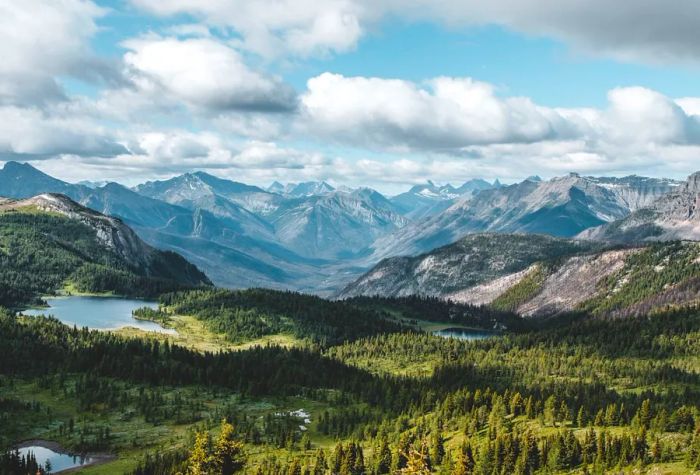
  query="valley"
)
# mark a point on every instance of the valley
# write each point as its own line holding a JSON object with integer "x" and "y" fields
{"x": 500, "y": 352}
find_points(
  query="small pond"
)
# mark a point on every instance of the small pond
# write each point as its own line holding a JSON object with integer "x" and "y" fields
{"x": 463, "y": 333}
{"x": 58, "y": 461}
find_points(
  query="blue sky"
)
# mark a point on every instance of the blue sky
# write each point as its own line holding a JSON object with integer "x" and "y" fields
{"x": 381, "y": 93}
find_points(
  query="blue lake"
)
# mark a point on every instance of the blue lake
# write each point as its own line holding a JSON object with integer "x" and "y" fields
{"x": 101, "y": 313}
{"x": 463, "y": 333}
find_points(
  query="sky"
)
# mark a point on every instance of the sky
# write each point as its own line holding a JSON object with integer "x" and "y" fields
{"x": 380, "y": 93}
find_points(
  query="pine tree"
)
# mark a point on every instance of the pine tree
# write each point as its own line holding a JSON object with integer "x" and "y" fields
{"x": 644, "y": 414}
{"x": 465, "y": 460}
{"x": 550, "y": 410}
{"x": 383, "y": 458}
{"x": 437, "y": 448}
{"x": 581, "y": 418}
{"x": 228, "y": 456}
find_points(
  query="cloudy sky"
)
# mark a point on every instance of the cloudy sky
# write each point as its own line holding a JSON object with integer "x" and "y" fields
{"x": 383, "y": 93}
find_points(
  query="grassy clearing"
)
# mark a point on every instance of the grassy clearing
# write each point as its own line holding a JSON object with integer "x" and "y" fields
{"x": 132, "y": 435}
{"x": 194, "y": 334}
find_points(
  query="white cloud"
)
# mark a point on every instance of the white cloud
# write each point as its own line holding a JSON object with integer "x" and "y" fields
{"x": 41, "y": 39}
{"x": 275, "y": 27}
{"x": 204, "y": 73}
{"x": 648, "y": 30}
{"x": 448, "y": 113}
{"x": 31, "y": 133}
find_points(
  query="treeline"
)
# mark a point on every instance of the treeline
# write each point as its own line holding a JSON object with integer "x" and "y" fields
{"x": 14, "y": 463}
{"x": 249, "y": 314}
{"x": 434, "y": 309}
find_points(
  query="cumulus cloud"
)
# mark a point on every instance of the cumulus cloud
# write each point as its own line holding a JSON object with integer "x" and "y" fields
{"x": 41, "y": 39}
{"x": 205, "y": 73}
{"x": 647, "y": 30}
{"x": 450, "y": 115}
{"x": 31, "y": 133}
{"x": 447, "y": 113}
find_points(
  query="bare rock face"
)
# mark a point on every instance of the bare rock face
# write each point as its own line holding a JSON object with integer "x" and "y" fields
{"x": 693, "y": 183}
{"x": 572, "y": 283}
{"x": 674, "y": 216}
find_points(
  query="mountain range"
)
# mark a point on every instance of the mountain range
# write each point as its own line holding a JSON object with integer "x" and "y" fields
{"x": 563, "y": 206}
{"x": 319, "y": 238}
{"x": 645, "y": 260}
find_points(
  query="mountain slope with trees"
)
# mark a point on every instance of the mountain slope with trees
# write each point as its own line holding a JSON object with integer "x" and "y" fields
{"x": 49, "y": 241}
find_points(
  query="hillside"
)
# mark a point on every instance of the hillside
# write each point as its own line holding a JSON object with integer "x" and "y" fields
{"x": 624, "y": 282}
{"x": 48, "y": 241}
{"x": 543, "y": 276}
{"x": 673, "y": 216}
{"x": 471, "y": 260}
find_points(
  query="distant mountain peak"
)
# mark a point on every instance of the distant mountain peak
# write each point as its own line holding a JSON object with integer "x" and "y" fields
{"x": 308, "y": 188}
{"x": 276, "y": 187}
{"x": 23, "y": 168}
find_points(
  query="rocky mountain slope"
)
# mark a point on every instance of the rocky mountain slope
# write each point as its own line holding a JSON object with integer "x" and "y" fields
{"x": 563, "y": 206}
{"x": 337, "y": 225}
{"x": 578, "y": 278}
{"x": 68, "y": 242}
{"x": 310, "y": 219}
{"x": 222, "y": 197}
{"x": 470, "y": 261}
{"x": 675, "y": 215}
{"x": 423, "y": 201}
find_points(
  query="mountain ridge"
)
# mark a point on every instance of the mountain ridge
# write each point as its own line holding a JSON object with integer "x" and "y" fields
{"x": 562, "y": 206}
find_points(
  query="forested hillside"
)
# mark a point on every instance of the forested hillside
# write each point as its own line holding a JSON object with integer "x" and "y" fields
{"x": 43, "y": 251}
{"x": 589, "y": 395}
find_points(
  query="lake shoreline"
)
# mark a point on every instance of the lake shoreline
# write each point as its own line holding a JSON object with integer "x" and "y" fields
{"x": 103, "y": 313}
{"x": 97, "y": 458}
